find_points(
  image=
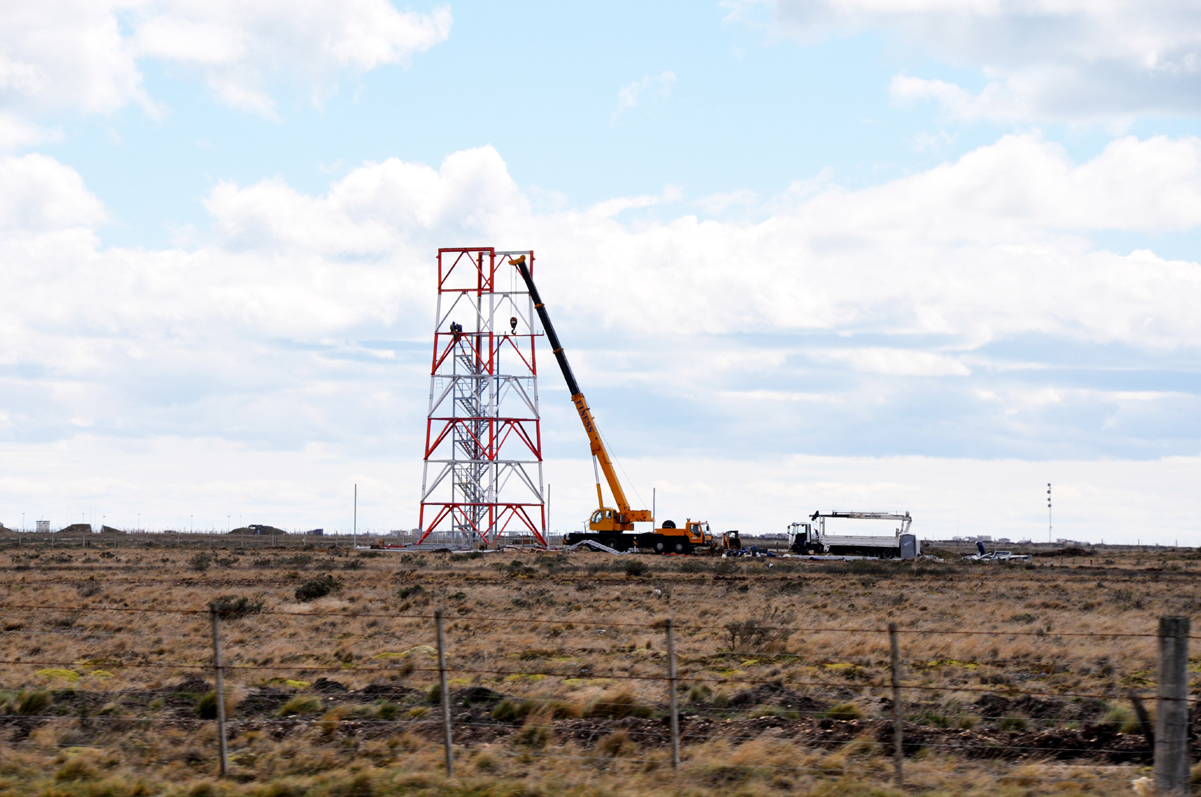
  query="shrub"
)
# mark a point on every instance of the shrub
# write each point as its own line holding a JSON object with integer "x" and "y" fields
{"x": 1122, "y": 717}
{"x": 33, "y": 702}
{"x": 771, "y": 627}
{"x": 76, "y": 769}
{"x": 89, "y": 588}
{"x": 843, "y": 711}
{"x": 618, "y": 706}
{"x": 360, "y": 785}
{"x": 1013, "y": 724}
{"x": 615, "y": 744}
{"x": 699, "y": 693}
{"x": 635, "y": 567}
{"x": 724, "y": 567}
{"x": 230, "y": 607}
{"x": 695, "y": 566}
{"x": 509, "y": 710}
{"x": 206, "y": 706}
{"x": 410, "y": 591}
{"x": 388, "y": 710}
{"x": 200, "y": 562}
{"x": 301, "y": 704}
{"x": 317, "y": 588}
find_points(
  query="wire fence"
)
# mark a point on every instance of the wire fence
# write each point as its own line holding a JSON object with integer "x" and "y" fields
{"x": 654, "y": 691}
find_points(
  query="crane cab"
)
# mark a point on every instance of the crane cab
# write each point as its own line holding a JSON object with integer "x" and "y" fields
{"x": 606, "y": 519}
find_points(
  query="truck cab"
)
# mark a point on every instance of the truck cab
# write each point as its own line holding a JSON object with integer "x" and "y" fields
{"x": 670, "y": 539}
{"x": 801, "y": 539}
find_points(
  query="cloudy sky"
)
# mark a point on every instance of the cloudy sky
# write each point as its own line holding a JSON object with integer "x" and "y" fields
{"x": 908, "y": 255}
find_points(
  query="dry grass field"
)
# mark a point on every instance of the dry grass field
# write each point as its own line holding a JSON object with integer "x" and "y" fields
{"x": 1015, "y": 676}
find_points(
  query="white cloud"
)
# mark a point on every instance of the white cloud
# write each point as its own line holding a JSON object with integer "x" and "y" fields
{"x": 41, "y": 195}
{"x": 628, "y": 97}
{"x": 899, "y": 362}
{"x": 1044, "y": 59}
{"x": 262, "y": 329}
{"x": 17, "y": 132}
{"x": 74, "y": 55}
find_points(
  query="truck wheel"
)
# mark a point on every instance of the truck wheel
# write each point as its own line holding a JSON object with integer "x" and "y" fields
{"x": 680, "y": 547}
{"x": 609, "y": 542}
{"x": 660, "y": 546}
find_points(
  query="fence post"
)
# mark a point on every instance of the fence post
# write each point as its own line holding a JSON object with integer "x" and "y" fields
{"x": 450, "y": 756}
{"x": 898, "y": 753}
{"x": 671, "y": 696}
{"x": 220, "y": 690}
{"x": 1171, "y": 708}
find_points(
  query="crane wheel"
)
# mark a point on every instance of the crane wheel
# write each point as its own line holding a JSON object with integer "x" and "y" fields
{"x": 680, "y": 547}
{"x": 669, "y": 524}
{"x": 660, "y": 546}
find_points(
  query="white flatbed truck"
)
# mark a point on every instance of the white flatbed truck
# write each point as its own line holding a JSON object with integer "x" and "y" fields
{"x": 812, "y": 538}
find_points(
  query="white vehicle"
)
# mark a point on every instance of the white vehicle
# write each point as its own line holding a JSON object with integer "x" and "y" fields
{"x": 899, "y": 545}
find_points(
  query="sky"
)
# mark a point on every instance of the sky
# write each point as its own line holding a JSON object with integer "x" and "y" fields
{"x": 888, "y": 255}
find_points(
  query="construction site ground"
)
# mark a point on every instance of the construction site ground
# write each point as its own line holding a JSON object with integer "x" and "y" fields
{"x": 558, "y": 671}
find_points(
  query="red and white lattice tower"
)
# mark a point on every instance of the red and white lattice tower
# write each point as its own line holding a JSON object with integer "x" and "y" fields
{"x": 483, "y": 438}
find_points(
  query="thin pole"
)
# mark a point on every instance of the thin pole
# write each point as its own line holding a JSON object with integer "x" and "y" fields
{"x": 1048, "y": 512}
{"x": 450, "y": 756}
{"x": 1171, "y": 709}
{"x": 354, "y": 536}
{"x": 898, "y": 753}
{"x": 671, "y": 696}
{"x": 220, "y": 690}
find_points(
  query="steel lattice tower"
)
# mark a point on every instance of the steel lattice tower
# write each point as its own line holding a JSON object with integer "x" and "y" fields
{"x": 483, "y": 438}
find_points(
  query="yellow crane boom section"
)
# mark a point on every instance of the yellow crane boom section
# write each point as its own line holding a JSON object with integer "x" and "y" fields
{"x": 625, "y": 515}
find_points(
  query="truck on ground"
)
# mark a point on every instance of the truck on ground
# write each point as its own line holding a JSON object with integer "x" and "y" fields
{"x": 812, "y": 538}
{"x": 611, "y": 526}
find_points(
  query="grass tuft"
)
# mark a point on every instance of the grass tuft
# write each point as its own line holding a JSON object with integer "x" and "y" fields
{"x": 301, "y": 704}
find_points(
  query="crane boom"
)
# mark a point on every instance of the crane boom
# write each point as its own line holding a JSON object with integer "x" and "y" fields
{"x": 625, "y": 516}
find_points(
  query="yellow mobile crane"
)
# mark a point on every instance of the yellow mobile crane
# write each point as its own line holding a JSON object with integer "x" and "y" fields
{"x": 609, "y": 526}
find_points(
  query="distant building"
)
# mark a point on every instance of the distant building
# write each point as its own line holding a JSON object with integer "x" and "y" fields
{"x": 43, "y": 526}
